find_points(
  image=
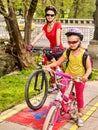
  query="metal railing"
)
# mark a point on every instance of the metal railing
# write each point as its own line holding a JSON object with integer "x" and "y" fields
{"x": 87, "y": 28}
{"x": 88, "y": 31}
{"x": 66, "y": 21}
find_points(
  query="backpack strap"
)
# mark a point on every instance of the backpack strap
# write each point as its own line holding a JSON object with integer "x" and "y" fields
{"x": 85, "y": 55}
{"x": 67, "y": 54}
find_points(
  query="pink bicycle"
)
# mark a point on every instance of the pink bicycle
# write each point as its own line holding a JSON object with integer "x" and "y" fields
{"x": 65, "y": 101}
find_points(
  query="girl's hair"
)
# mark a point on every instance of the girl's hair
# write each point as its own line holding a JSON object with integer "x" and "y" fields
{"x": 53, "y": 8}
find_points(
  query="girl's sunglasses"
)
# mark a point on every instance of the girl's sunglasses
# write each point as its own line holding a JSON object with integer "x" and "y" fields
{"x": 72, "y": 42}
{"x": 52, "y": 15}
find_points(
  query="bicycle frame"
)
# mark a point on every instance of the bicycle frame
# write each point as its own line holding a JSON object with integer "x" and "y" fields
{"x": 38, "y": 83}
{"x": 43, "y": 59}
{"x": 42, "y": 51}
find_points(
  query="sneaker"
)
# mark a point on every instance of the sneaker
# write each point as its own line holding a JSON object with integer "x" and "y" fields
{"x": 80, "y": 122}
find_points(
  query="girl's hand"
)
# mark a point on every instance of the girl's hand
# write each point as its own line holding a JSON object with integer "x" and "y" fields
{"x": 84, "y": 78}
{"x": 46, "y": 67}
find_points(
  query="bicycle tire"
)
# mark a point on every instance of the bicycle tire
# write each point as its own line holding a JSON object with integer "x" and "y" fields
{"x": 48, "y": 124}
{"x": 36, "y": 89}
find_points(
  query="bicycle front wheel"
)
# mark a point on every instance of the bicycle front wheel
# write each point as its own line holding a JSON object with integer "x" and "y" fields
{"x": 36, "y": 89}
{"x": 49, "y": 121}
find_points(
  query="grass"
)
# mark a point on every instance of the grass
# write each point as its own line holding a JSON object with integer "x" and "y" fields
{"x": 94, "y": 75}
{"x": 12, "y": 88}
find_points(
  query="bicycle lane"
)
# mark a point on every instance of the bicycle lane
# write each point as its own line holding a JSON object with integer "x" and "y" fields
{"x": 90, "y": 115}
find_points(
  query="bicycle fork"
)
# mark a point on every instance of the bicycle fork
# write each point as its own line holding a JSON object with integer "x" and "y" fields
{"x": 57, "y": 111}
{"x": 57, "y": 104}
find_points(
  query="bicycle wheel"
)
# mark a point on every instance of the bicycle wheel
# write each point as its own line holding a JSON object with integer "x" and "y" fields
{"x": 36, "y": 89}
{"x": 49, "y": 121}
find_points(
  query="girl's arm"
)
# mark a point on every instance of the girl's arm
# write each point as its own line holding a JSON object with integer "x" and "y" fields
{"x": 38, "y": 37}
{"x": 58, "y": 36}
{"x": 88, "y": 68}
{"x": 56, "y": 63}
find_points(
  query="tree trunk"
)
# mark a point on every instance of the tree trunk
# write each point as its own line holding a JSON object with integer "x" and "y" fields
{"x": 74, "y": 9}
{"x": 61, "y": 10}
{"x": 18, "y": 45}
{"x": 95, "y": 16}
{"x": 76, "y": 6}
{"x": 28, "y": 21}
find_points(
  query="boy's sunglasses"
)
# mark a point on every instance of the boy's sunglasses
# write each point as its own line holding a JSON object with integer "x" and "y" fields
{"x": 72, "y": 42}
{"x": 50, "y": 15}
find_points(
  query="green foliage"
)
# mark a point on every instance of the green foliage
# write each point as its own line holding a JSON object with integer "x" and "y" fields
{"x": 38, "y": 59}
{"x": 18, "y": 4}
{"x": 66, "y": 8}
{"x": 40, "y": 12}
{"x": 82, "y": 9}
{"x": 94, "y": 75}
{"x": 69, "y": 8}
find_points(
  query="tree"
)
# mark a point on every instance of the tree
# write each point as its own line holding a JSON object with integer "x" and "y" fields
{"x": 81, "y": 9}
{"x": 96, "y": 21}
{"x": 17, "y": 42}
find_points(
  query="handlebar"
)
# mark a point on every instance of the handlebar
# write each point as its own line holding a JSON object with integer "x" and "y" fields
{"x": 44, "y": 50}
{"x": 68, "y": 76}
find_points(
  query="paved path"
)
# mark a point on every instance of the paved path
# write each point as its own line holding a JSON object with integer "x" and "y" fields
{"x": 90, "y": 113}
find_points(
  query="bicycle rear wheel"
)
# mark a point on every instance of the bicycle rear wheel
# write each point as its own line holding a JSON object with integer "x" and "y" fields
{"x": 36, "y": 89}
{"x": 49, "y": 121}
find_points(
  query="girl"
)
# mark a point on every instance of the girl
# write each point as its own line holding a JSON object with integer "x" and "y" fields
{"x": 75, "y": 66}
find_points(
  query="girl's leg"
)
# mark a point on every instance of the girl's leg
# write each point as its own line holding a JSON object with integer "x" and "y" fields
{"x": 79, "y": 88}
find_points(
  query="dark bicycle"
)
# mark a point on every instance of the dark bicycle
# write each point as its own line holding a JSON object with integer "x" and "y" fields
{"x": 39, "y": 81}
{"x": 36, "y": 89}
